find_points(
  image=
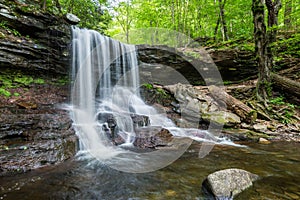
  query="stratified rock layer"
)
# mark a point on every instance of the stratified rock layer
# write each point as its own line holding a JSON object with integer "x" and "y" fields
{"x": 33, "y": 42}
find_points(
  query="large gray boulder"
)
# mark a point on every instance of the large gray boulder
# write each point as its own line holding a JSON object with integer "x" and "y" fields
{"x": 225, "y": 184}
{"x": 195, "y": 105}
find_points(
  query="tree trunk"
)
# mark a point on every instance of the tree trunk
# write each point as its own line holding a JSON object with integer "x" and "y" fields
{"x": 216, "y": 28}
{"x": 287, "y": 14}
{"x": 243, "y": 111}
{"x": 285, "y": 84}
{"x": 273, "y": 10}
{"x": 127, "y": 23}
{"x": 222, "y": 18}
{"x": 44, "y": 4}
{"x": 261, "y": 50}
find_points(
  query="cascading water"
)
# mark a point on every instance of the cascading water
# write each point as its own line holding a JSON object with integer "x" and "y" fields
{"x": 105, "y": 78}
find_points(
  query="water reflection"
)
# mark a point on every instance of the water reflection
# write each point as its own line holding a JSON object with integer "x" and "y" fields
{"x": 276, "y": 163}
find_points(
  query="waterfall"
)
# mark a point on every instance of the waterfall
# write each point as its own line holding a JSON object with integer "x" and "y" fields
{"x": 105, "y": 92}
{"x": 101, "y": 64}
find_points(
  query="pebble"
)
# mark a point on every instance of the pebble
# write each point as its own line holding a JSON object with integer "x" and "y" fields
{"x": 263, "y": 141}
{"x": 260, "y": 127}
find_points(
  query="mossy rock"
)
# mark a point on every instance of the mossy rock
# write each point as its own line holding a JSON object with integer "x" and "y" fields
{"x": 222, "y": 118}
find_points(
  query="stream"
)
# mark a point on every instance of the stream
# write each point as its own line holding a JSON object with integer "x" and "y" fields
{"x": 277, "y": 164}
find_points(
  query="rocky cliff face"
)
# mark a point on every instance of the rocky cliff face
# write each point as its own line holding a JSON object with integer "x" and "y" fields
{"x": 32, "y": 41}
{"x": 198, "y": 64}
{"x": 34, "y": 130}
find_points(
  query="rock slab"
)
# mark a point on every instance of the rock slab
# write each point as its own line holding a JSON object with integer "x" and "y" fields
{"x": 225, "y": 184}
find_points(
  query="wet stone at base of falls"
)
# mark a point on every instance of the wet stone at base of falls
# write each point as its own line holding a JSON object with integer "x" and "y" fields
{"x": 146, "y": 136}
{"x": 152, "y": 137}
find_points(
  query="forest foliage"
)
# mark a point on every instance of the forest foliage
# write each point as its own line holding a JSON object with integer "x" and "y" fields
{"x": 220, "y": 20}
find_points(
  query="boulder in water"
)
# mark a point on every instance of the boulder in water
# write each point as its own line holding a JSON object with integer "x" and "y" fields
{"x": 152, "y": 137}
{"x": 111, "y": 128}
{"x": 225, "y": 184}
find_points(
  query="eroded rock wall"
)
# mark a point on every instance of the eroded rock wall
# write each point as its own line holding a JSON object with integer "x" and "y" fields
{"x": 33, "y": 41}
{"x": 35, "y": 130}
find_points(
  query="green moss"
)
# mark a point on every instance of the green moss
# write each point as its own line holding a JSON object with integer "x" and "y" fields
{"x": 10, "y": 79}
{"x": 63, "y": 80}
{"x": 148, "y": 86}
{"x": 2, "y": 35}
{"x": 39, "y": 81}
{"x": 277, "y": 100}
{"x": 15, "y": 32}
{"x": 16, "y": 94}
{"x": 23, "y": 80}
{"x": 252, "y": 115}
{"x": 5, "y": 92}
{"x": 227, "y": 82}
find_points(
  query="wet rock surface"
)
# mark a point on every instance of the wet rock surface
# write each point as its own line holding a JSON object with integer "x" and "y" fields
{"x": 34, "y": 129}
{"x": 35, "y": 137}
{"x": 145, "y": 135}
{"x": 152, "y": 137}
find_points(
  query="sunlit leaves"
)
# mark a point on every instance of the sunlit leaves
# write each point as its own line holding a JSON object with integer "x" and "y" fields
{"x": 92, "y": 13}
{"x": 196, "y": 18}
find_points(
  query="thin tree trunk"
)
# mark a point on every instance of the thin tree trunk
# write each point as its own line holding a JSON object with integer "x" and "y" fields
{"x": 216, "y": 28}
{"x": 222, "y": 18}
{"x": 273, "y": 10}
{"x": 287, "y": 14}
{"x": 198, "y": 20}
{"x": 44, "y": 4}
{"x": 261, "y": 44}
{"x": 128, "y": 22}
{"x": 185, "y": 18}
{"x": 173, "y": 15}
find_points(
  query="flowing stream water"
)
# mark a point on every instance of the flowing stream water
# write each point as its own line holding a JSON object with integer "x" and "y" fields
{"x": 277, "y": 164}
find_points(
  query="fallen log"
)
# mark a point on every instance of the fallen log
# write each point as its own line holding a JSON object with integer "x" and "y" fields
{"x": 285, "y": 84}
{"x": 236, "y": 106}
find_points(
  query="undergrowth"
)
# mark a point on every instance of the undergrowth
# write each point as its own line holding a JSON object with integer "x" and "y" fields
{"x": 15, "y": 79}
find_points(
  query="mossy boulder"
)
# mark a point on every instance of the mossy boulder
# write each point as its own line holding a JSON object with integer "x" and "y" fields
{"x": 221, "y": 117}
